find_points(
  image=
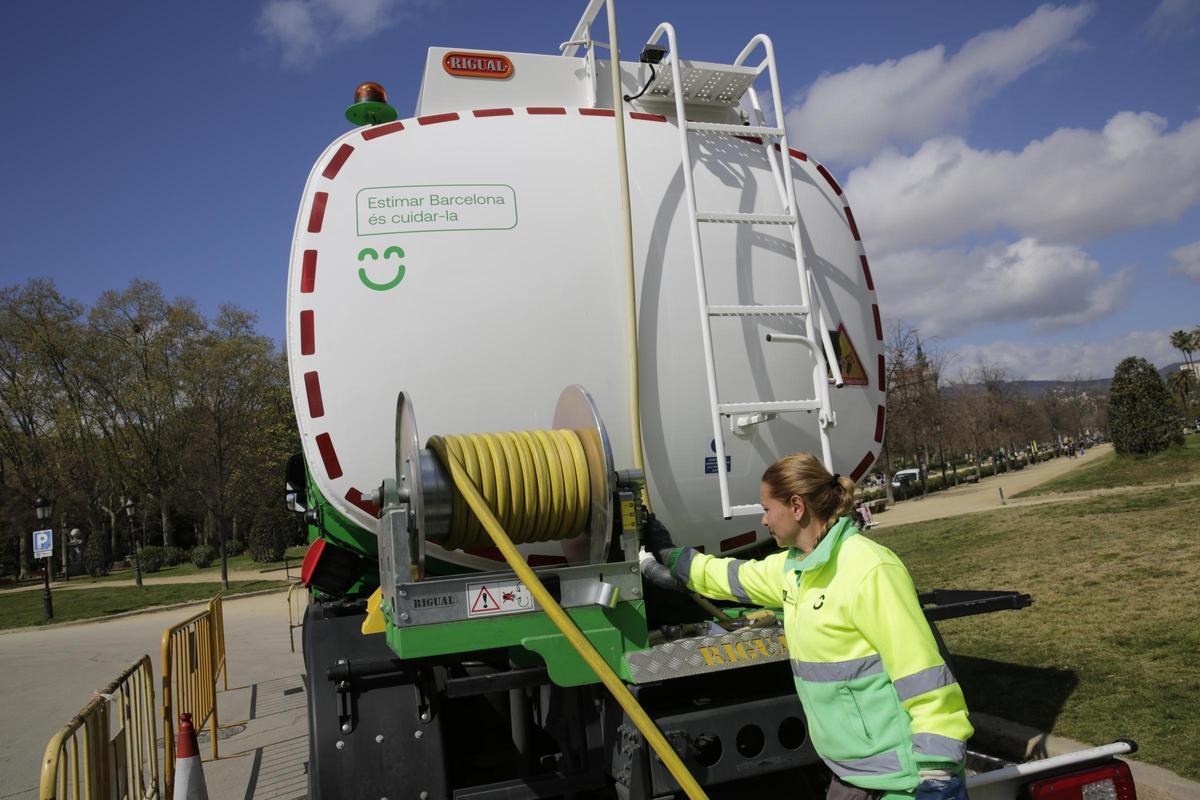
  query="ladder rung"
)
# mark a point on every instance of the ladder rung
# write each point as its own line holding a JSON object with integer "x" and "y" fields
{"x": 776, "y": 406}
{"x": 734, "y": 130}
{"x": 752, "y": 509}
{"x": 745, "y": 219}
{"x": 757, "y": 311}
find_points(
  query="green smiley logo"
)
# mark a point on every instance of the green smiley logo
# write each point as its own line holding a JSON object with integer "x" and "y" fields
{"x": 373, "y": 254}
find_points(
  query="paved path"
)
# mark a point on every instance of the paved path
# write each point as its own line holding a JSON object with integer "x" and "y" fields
{"x": 52, "y": 672}
{"x": 985, "y": 495}
{"x": 58, "y": 585}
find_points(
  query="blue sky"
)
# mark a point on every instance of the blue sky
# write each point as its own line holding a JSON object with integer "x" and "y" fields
{"x": 1026, "y": 177}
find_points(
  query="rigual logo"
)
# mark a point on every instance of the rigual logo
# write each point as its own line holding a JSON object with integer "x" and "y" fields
{"x": 820, "y": 602}
{"x": 477, "y": 65}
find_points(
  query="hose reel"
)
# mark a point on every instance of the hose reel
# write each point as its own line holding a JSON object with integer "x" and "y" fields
{"x": 543, "y": 485}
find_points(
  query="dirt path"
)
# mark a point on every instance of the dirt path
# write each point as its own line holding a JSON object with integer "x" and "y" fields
{"x": 985, "y": 495}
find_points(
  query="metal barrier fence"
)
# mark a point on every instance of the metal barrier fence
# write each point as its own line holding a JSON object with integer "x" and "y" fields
{"x": 297, "y": 600}
{"x": 109, "y": 748}
{"x": 193, "y": 654}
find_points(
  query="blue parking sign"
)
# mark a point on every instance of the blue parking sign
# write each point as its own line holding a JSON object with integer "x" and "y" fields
{"x": 43, "y": 544}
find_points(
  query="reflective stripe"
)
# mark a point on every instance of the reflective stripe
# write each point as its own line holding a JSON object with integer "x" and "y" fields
{"x": 924, "y": 681}
{"x": 683, "y": 564}
{"x": 882, "y": 764}
{"x": 828, "y": 671}
{"x": 933, "y": 744}
{"x": 735, "y": 584}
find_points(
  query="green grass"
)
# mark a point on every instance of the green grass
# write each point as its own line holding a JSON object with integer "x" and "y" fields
{"x": 1176, "y": 465}
{"x": 1109, "y": 647}
{"x": 240, "y": 563}
{"x": 22, "y": 609}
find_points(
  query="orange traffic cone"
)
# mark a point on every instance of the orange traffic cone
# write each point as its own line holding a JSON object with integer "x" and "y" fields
{"x": 189, "y": 774}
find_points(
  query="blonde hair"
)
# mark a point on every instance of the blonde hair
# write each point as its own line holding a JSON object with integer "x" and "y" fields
{"x": 829, "y": 496}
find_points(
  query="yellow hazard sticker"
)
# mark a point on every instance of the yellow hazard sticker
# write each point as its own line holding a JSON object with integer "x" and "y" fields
{"x": 853, "y": 371}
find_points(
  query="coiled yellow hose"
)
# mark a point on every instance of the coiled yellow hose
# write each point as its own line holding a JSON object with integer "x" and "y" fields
{"x": 535, "y": 482}
{"x": 477, "y": 502}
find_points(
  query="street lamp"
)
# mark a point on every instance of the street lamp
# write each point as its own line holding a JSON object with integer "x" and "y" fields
{"x": 44, "y": 510}
{"x": 127, "y": 507}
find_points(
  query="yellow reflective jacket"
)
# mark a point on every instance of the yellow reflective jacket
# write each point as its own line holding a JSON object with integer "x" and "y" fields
{"x": 880, "y": 701}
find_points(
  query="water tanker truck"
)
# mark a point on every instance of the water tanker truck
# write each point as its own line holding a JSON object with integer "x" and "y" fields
{"x": 519, "y": 322}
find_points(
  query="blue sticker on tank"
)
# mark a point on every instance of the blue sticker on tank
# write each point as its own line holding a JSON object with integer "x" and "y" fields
{"x": 710, "y": 465}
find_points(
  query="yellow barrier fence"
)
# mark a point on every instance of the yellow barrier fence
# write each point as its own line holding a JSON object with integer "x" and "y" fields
{"x": 109, "y": 748}
{"x": 193, "y": 654}
{"x": 297, "y": 600}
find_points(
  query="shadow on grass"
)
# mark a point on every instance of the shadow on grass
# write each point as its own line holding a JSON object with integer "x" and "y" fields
{"x": 1032, "y": 696}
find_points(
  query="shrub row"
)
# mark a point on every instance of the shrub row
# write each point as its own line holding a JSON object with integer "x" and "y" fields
{"x": 268, "y": 540}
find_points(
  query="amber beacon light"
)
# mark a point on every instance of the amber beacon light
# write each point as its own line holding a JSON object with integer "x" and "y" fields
{"x": 370, "y": 105}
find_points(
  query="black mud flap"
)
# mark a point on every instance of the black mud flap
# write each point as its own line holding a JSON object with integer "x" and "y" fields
{"x": 374, "y": 728}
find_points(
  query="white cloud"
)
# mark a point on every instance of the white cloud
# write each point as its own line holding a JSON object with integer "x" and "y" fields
{"x": 1087, "y": 359}
{"x": 1172, "y": 19}
{"x": 1187, "y": 260}
{"x": 304, "y": 29}
{"x": 850, "y": 115}
{"x": 1074, "y": 185}
{"x": 949, "y": 291}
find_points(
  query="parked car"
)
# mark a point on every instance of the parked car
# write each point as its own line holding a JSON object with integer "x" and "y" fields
{"x": 905, "y": 476}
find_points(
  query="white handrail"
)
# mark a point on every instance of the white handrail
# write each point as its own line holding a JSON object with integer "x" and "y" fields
{"x": 820, "y": 365}
{"x": 582, "y": 33}
{"x": 689, "y": 193}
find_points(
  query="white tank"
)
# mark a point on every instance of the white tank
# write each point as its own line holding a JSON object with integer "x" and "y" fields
{"x": 475, "y": 260}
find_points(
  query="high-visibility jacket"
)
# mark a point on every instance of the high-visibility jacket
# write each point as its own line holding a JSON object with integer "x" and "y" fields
{"x": 880, "y": 701}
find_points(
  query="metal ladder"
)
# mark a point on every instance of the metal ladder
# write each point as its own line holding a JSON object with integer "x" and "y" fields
{"x": 728, "y": 90}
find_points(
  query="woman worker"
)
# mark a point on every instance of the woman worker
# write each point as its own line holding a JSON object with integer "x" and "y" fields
{"x": 884, "y": 712}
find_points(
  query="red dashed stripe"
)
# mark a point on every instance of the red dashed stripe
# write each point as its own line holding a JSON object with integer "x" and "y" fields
{"x": 741, "y": 539}
{"x": 878, "y": 322}
{"x": 853, "y": 225}
{"x": 879, "y": 424}
{"x": 825, "y": 174}
{"x": 493, "y": 112}
{"x": 382, "y": 130}
{"x": 333, "y": 468}
{"x": 536, "y": 560}
{"x": 751, "y": 139}
{"x": 882, "y": 374}
{"x": 434, "y": 119}
{"x": 308, "y": 276}
{"x": 546, "y": 110}
{"x": 647, "y": 117}
{"x": 312, "y": 387}
{"x": 867, "y": 272}
{"x": 797, "y": 154}
{"x": 308, "y": 344}
{"x": 862, "y": 467}
{"x": 355, "y": 498}
{"x": 699, "y": 549}
{"x": 597, "y": 112}
{"x": 335, "y": 163}
{"x": 484, "y": 552}
{"x": 316, "y": 217}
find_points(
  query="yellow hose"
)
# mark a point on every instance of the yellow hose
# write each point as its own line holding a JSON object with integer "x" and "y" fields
{"x": 470, "y": 493}
{"x": 535, "y": 482}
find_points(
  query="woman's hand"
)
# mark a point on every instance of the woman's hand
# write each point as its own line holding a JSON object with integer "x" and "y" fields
{"x": 656, "y": 538}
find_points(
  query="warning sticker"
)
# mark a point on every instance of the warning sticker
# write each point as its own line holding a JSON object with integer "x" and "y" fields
{"x": 496, "y": 598}
{"x": 853, "y": 371}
